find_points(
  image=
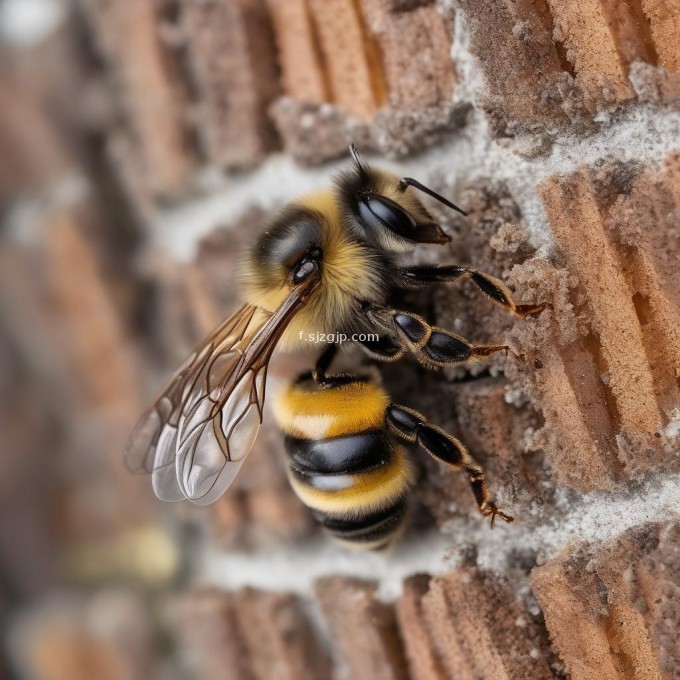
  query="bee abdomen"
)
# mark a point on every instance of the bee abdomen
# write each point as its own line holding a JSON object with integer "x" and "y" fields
{"x": 307, "y": 411}
{"x": 347, "y": 454}
{"x": 370, "y": 531}
{"x": 356, "y": 485}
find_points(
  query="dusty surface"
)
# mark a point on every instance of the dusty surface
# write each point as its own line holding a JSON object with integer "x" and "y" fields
{"x": 119, "y": 241}
{"x": 611, "y": 621}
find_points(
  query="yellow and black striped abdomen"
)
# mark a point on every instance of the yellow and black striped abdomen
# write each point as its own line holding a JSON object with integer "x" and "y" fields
{"x": 341, "y": 463}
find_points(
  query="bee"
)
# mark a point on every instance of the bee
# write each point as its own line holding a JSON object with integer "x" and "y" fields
{"x": 326, "y": 263}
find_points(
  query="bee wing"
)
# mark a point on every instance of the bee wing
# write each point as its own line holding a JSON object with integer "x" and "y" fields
{"x": 152, "y": 446}
{"x": 197, "y": 433}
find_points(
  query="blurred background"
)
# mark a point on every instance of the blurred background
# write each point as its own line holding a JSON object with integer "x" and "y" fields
{"x": 87, "y": 559}
{"x": 115, "y": 117}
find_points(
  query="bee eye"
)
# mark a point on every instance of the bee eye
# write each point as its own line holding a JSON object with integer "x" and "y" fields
{"x": 304, "y": 269}
{"x": 391, "y": 227}
{"x": 379, "y": 211}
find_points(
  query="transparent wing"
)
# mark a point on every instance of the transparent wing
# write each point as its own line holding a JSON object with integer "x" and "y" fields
{"x": 218, "y": 431}
{"x": 153, "y": 445}
{"x": 195, "y": 436}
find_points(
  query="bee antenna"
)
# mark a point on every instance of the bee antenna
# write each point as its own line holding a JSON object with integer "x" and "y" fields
{"x": 357, "y": 157}
{"x": 406, "y": 182}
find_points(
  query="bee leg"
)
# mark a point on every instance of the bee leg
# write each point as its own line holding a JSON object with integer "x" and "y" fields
{"x": 432, "y": 346}
{"x": 319, "y": 374}
{"x": 493, "y": 288}
{"x": 413, "y": 427}
{"x": 383, "y": 349}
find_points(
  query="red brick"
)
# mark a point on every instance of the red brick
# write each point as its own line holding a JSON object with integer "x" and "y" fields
{"x": 423, "y": 660}
{"x": 231, "y": 53}
{"x": 609, "y": 349}
{"x": 664, "y": 23}
{"x": 581, "y": 235}
{"x": 608, "y": 607}
{"x": 60, "y": 639}
{"x": 303, "y": 75}
{"x": 521, "y": 64}
{"x": 363, "y": 628}
{"x": 212, "y": 640}
{"x": 279, "y": 638}
{"x": 151, "y": 89}
{"x": 415, "y": 48}
{"x": 551, "y": 62}
{"x": 621, "y": 259}
{"x": 35, "y": 157}
{"x": 588, "y": 32}
{"x": 474, "y": 620}
{"x": 354, "y": 75}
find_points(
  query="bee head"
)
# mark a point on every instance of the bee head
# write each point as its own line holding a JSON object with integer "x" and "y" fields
{"x": 384, "y": 209}
{"x": 304, "y": 237}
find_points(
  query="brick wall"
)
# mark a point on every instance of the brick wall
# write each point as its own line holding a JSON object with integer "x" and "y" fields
{"x": 148, "y": 142}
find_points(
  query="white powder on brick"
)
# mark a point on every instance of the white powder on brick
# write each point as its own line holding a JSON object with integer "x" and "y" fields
{"x": 645, "y": 133}
{"x": 594, "y": 517}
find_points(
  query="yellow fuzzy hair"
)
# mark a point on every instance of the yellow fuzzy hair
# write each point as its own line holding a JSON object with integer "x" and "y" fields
{"x": 342, "y": 410}
{"x": 348, "y": 274}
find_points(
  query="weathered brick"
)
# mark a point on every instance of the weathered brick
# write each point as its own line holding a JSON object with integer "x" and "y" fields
{"x": 495, "y": 432}
{"x": 423, "y": 660}
{"x": 213, "y": 643}
{"x": 62, "y": 639}
{"x": 279, "y": 638}
{"x": 621, "y": 260}
{"x": 588, "y": 30}
{"x": 573, "y": 210}
{"x": 664, "y": 24}
{"x": 415, "y": 48}
{"x": 82, "y": 333}
{"x": 186, "y": 308}
{"x": 521, "y": 64}
{"x": 231, "y": 54}
{"x": 611, "y": 610}
{"x": 27, "y": 430}
{"x": 363, "y": 628}
{"x": 151, "y": 89}
{"x": 372, "y": 72}
{"x": 480, "y": 629}
{"x": 303, "y": 75}
{"x": 353, "y": 71}
{"x": 551, "y": 62}
{"x": 313, "y": 133}
{"x": 35, "y": 157}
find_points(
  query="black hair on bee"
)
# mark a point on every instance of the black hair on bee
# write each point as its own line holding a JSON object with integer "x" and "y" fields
{"x": 377, "y": 207}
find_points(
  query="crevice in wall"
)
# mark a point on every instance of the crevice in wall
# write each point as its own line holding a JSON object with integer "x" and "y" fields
{"x": 374, "y": 58}
{"x": 319, "y": 54}
{"x": 642, "y": 309}
{"x": 580, "y": 360}
{"x": 594, "y": 348}
{"x": 658, "y": 345}
{"x": 644, "y": 31}
{"x": 545, "y": 15}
